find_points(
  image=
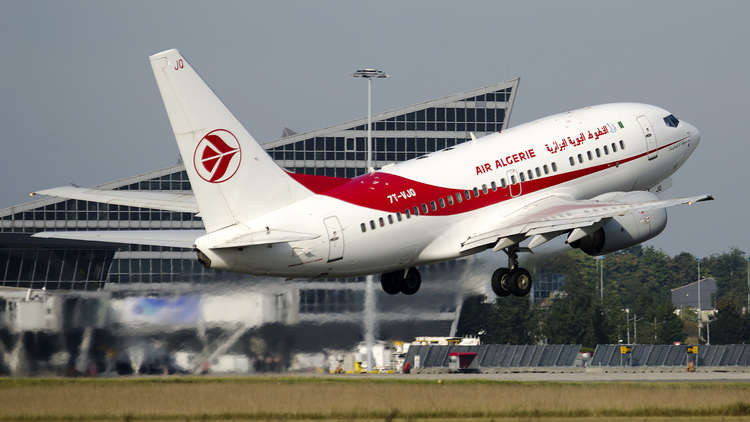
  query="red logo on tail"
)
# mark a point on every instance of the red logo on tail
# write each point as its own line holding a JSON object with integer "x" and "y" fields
{"x": 217, "y": 156}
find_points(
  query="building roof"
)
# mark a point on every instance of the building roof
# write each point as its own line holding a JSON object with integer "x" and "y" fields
{"x": 687, "y": 295}
{"x": 447, "y": 100}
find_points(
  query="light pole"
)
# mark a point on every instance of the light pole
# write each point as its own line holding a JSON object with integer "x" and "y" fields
{"x": 700, "y": 317}
{"x": 600, "y": 258}
{"x": 369, "y": 74}
{"x": 748, "y": 282}
{"x": 627, "y": 323}
{"x": 369, "y": 282}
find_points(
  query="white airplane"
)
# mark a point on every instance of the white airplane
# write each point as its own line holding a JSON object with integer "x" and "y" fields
{"x": 586, "y": 174}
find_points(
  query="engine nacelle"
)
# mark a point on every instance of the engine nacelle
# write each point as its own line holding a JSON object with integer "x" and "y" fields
{"x": 625, "y": 231}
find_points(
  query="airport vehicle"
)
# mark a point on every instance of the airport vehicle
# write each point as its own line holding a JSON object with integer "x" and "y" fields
{"x": 589, "y": 174}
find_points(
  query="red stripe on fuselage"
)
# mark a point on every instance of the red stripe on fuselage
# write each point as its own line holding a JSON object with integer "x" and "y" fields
{"x": 318, "y": 184}
{"x": 376, "y": 190}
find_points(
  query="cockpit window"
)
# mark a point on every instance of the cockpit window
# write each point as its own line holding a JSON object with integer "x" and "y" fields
{"x": 671, "y": 121}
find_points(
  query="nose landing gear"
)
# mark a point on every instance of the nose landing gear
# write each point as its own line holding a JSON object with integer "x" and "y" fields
{"x": 512, "y": 280}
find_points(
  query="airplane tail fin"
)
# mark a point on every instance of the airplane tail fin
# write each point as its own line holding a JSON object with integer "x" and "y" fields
{"x": 232, "y": 176}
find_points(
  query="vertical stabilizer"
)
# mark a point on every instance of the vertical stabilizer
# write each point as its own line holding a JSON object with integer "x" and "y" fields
{"x": 232, "y": 176}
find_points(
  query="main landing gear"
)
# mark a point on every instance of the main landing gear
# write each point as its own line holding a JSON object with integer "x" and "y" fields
{"x": 401, "y": 281}
{"x": 512, "y": 280}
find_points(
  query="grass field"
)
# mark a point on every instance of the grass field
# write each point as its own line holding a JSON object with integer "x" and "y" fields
{"x": 348, "y": 398}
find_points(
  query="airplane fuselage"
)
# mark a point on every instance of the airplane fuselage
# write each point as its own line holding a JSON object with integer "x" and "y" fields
{"x": 421, "y": 211}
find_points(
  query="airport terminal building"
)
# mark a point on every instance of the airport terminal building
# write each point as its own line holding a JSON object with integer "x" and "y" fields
{"x": 398, "y": 135}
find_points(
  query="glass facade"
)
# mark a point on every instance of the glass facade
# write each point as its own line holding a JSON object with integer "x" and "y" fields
{"x": 340, "y": 151}
{"x": 396, "y": 136}
{"x": 67, "y": 269}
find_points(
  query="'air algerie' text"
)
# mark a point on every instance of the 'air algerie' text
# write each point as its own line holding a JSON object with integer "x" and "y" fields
{"x": 506, "y": 161}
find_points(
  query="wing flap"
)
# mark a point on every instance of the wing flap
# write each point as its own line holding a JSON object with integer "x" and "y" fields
{"x": 170, "y": 238}
{"x": 179, "y": 202}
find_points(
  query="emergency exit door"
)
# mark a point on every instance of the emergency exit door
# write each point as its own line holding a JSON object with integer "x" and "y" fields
{"x": 335, "y": 239}
{"x": 514, "y": 182}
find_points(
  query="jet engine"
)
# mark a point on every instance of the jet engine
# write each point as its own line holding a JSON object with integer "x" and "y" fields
{"x": 624, "y": 231}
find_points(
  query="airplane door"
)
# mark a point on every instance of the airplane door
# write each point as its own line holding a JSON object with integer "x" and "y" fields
{"x": 648, "y": 133}
{"x": 335, "y": 239}
{"x": 514, "y": 183}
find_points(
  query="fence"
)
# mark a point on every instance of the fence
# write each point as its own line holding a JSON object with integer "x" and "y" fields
{"x": 498, "y": 355}
{"x": 671, "y": 355}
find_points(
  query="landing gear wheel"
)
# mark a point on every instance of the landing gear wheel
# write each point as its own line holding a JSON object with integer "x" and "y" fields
{"x": 519, "y": 282}
{"x": 391, "y": 282}
{"x": 412, "y": 281}
{"x": 499, "y": 280}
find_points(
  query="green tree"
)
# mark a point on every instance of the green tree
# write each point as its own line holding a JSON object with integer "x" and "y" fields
{"x": 730, "y": 326}
{"x": 730, "y": 271}
{"x": 683, "y": 270}
{"x": 514, "y": 320}
{"x": 669, "y": 327}
{"x": 510, "y": 320}
{"x": 577, "y": 316}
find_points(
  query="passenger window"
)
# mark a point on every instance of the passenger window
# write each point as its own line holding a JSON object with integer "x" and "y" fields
{"x": 467, "y": 194}
{"x": 502, "y": 183}
{"x": 546, "y": 169}
{"x": 381, "y": 221}
{"x": 538, "y": 173}
{"x": 451, "y": 201}
{"x": 442, "y": 202}
{"x": 589, "y": 155}
{"x": 572, "y": 161}
{"x": 424, "y": 208}
{"x": 494, "y": 186}
{"x": 530, "y": 174}
{"x": 372, "y": 225}
{"x": 476, "y": 192}
{"x": 459, "y": 197}
{"x": 416, "y": 211}
{"x": 363, "y": 227}
{"x": 614, "y": 147}
{"x": 512, "y": 179}
{"x": 433, "y": 205}
{"x": 580, "y": 158}
{"x": 398, "y": 216}
{"x": 521, "y": 177}
{"x": 598, "y": 153}
{"x": 407, "y": 213}
{"x": 484, "y": 189}
{"x": 622, "y": 144}
{"x": 554, "y": 167}
{"x": 390, "y": 219}
{"x": 606, "y": 150}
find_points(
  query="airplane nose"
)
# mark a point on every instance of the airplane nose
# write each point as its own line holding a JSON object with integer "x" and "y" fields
{"x": 694, "y": 134}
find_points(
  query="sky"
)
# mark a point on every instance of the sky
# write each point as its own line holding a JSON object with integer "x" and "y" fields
{"x": 78, "y": 103}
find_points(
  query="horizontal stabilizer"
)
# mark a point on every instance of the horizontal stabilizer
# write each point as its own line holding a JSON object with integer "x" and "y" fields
{"x": 179, "y": 202}
{"x": 170, "y": 238}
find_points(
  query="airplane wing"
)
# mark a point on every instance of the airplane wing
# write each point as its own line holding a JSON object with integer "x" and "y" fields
{"x": 171, "y": 238}
{"x": 554, "y": 215}
{"x": 179, "y": 202}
